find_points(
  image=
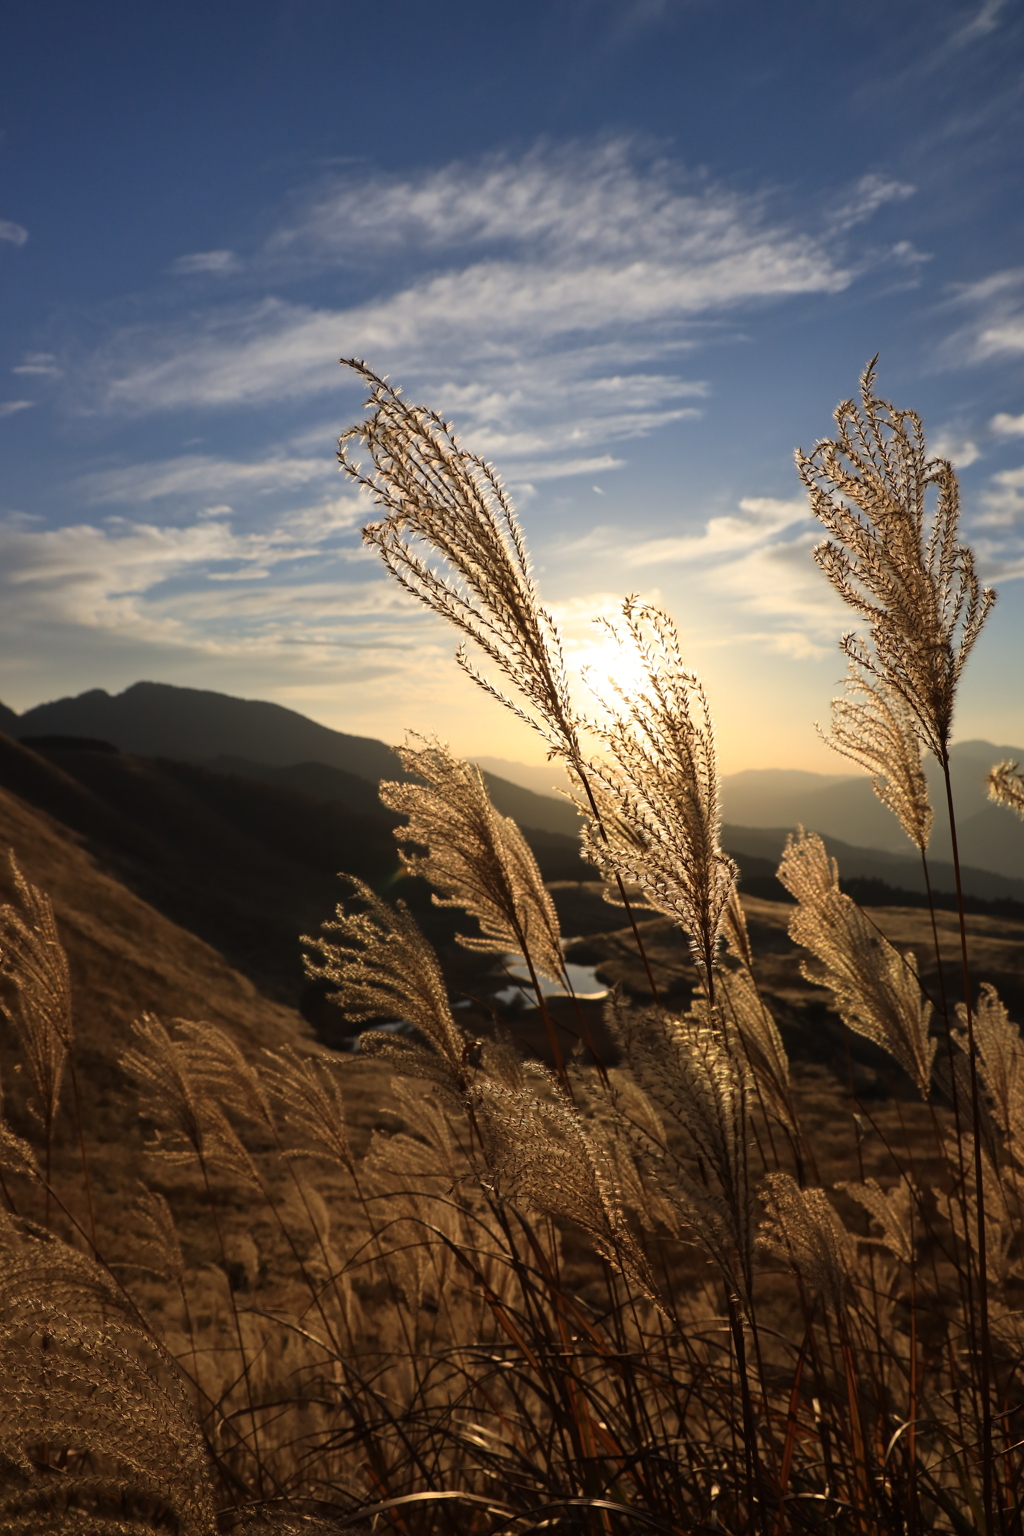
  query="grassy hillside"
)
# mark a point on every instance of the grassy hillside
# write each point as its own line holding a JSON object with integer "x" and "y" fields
{"x": 126, "y": 957}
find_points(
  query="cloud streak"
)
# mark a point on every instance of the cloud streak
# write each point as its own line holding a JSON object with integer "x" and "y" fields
{"x": 201, "y": 475}
{"x": 560, "y": 291}
{"x": 218, "y": 262}
{"x": 996, "y": 326}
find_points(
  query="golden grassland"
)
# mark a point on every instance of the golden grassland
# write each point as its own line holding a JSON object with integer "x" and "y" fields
{"x": 740, "y": 1250}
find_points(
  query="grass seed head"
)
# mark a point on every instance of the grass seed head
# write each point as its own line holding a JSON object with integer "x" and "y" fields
{"x": 450, "y": 537}
{"x": 898, "y": 564}
{"x": 475, "y": 858}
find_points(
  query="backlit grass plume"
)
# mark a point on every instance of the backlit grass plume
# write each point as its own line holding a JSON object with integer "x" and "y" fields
{"x": 38, "y": 1004}
{"x": 658, "y": 788}
{"x": 898, "y": 564}
{"x": 1006, "y": 786}
{"x": 876, "y": 989}
{"x": 802, "y": 1226}
{"x": 383, "y": 968}
{"x": 476, "y": 858}
{"x": 450, "y": 537}
{"x": 700, "y": 1087}
{"x": 750, "y": 1016}
{"x": 192, "y": 1120}
{"x": 1001, "y": 1058}
{"x": 540, "y": 1157}
{"x": 875, "y": 728}
{"x": 96, "y": 1430}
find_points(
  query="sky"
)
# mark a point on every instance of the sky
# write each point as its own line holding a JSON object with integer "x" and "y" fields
{"x": 636, "y": 250}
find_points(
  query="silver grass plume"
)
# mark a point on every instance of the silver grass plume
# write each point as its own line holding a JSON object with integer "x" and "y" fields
{"x": 16, "y": 1155}
{"x": 750, "y": 1017}
{"x": 450, "y": 537}
{"x": 83, "y": 1377}
{"x": 801, "y": 1226}
{"x": 1006, "y": 786}
{"x": 32, "y": 958}
{"x": 1001, "y": 1063}
{"x": 876, "y": 989}
{"x": 892, "y": 1210}
{"x": 477, "y": 859}
{"x": 160, "y": 1248}
{"x": 735, "y": 932}
{"x": 1004, "y": 1258}
{"x": 897, "y": 565}
{"x": 538, "y": 1155}
{"x": 308, "y": 1089}
{"x": 660, "y": 788}
{"x": 173, "y": 1095}
{"x": 383, "y": 967}
{"x": 875, "y": 728}
{"x": 222, "y": 1073}
{"x": 698, "y": 1083}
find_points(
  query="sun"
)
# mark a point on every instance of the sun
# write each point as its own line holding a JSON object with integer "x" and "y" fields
{"x": 607, "y": 666}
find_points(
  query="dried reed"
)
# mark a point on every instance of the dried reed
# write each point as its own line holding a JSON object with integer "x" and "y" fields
{"x": 492, "y": 1317}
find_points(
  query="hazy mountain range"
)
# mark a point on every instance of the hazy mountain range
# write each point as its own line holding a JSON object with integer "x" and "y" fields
{"x": 259, "y": 740}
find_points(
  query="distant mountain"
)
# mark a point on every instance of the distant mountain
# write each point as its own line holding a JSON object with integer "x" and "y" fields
{"x": 277, "y": 745}
{"x": 194, "y": 724}
{"x": 845, "y": 806}
{"x": 245, "y": 865}
{"x": 314, "y": 779}
{"x": 546, "y": 779}
{"x": 250, "y": 736}
{"x": 767, "y": 843}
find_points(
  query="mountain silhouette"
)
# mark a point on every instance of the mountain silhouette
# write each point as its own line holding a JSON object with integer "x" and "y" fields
{"x": 194, "y": 724}
{"x": 250, "y": 736}
{"x": 844, "y": 806}
{"x": 894, "y": 870}
{"x": 282, "y": 750}
{"x": 245, "y": 864}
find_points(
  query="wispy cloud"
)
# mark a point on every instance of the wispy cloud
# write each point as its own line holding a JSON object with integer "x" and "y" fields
{"x": 1005, "y": 425}
{"x": 984, "y": 21}
{"x": 16, "y": 234}
{"x": 219, "y": 262}
{"x": 201, "y": 475}
{"x": 869, "y": 194}
{"x": 764, "y": 516}
{"x": 41, "y": 364}
{"x": 157, "y": 582}
{"x": 996, "y": 324}
{"x": 12, "y": 407}
{"x": 755, "y": 563}
{"x": 572, "y": 202}
{"x": 1002, "y": 503}
{"x": 954, "y": 446}
{"x": 561, "y": 290}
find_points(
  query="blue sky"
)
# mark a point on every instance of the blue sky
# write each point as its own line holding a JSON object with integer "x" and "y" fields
{"x": 638, "y": 252}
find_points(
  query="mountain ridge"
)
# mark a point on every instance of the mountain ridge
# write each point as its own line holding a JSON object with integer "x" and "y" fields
{"x": 271, "y": 743}
{"x": 161, "y": 720}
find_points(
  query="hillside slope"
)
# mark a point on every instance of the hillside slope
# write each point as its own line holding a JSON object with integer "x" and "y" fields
{"x": 125, "y": 957}
{"x": 250, "y": 736}
{"x": 248, "y": 866}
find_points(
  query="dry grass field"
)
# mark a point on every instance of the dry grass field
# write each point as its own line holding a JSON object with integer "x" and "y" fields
{"x": 737, "y": 1248}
